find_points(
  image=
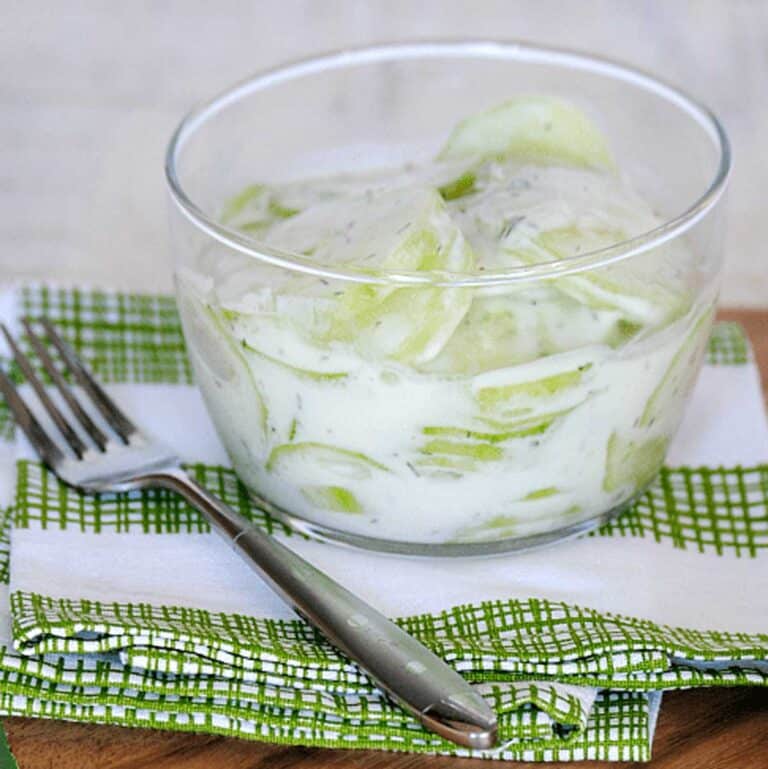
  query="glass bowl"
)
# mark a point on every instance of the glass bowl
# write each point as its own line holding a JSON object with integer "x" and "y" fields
{"x": 344, "y": 439}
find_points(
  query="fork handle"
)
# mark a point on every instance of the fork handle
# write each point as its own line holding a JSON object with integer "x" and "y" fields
{"x": 412, "y": 675}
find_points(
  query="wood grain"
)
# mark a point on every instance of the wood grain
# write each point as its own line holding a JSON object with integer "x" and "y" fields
{"x": 702, "y": 729}
{"x": 756, "y": 324}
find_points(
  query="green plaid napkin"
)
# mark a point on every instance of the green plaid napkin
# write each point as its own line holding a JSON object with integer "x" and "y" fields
{"x": 568, "y": 682}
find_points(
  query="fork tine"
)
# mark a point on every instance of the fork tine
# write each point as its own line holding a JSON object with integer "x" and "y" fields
{"x": 45, "y": 447}
{"x": 96, "y": 434}
{"x": 72, "y": 438}
{"x": 109, "y": 410}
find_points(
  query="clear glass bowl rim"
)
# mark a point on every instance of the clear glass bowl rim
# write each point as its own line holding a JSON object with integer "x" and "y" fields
{"x": 487, "y": 49}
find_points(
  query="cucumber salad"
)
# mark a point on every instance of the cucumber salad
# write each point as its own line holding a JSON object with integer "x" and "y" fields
{"x": 435, "y": 412}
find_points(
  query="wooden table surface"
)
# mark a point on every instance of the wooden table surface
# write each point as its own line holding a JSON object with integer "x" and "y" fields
{"x": 701, "y": 729}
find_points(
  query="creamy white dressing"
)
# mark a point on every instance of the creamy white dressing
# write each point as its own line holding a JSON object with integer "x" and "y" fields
{"x": 436, "y": 415}
{"x": 381, "y": 411}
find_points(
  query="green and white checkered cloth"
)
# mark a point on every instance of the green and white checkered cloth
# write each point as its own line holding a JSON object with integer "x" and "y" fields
{"x": 90, "y": 636}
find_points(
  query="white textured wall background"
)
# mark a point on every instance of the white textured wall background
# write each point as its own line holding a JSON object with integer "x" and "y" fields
{"x": 90, "y": 91}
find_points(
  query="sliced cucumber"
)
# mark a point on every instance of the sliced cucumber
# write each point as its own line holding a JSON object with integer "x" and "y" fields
{"x": 539, "y": 391}
{"x": 523, "y": 430}
{"x": 496, "y": 528}
{"x": 335, "y": 498}
{"x": 549, "y": 491}
{"x": 453, "y": 452}
{"x": 465, "y": 450}
{"x": 281, "y": 336}
{"x": 219, "y": 356}
{"x": 458, "y": 187}
{"x": 520, "y": 426}
{"x": 506, "y": 526}
{"x": 483, "y": 452}
{"x": 301, "y": 373}
{"x": 500, "y": 331}
{"x": 555, "y": 394}
{"x": 297, "y": 460}
{"x": 255, "y": 209}
{"x": 536, "y": 129}
{"x": 669, "y": 395}
{"x": 445, "y": 466}
{"x": 632, "y": 463}
{"x": 646, "y": 290}
{"x": 402, "y": 228}
{"x": 410, "y": 325}
{"x": 642, "y": 299}
{"x": 488, "y": 337}
{"x": 238, "y": 203}
{"x": 491, "y": 397}
{"x": 622, "y": 332}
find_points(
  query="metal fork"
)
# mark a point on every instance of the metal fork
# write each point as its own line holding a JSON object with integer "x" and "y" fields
{"x": 132, "y": 459}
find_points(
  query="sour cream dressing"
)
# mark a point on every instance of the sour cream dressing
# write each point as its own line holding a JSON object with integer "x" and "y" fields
{"x": 445, "y": 415}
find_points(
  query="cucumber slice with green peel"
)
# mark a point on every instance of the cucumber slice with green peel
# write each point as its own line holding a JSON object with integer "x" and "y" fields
{"x": 216, "y": 351}
{"x": 483, "y": 452}
{"x": 281, "y": 211}
{"x": 505, "y": 526}
{"x": 548, "y": 387}
{"x": 499, "y": 331}
{"x": 633, "y": 462}
{"x": 642, "y": 299}
{"x": 623, "y": 332}
{"x": 255, "y": 209}
{"x": 564, "y": 242}
{"x": 536, "y": 427}
{"x": 549, "y": 491}
{"x": 447, "y": 456}
{"x": 293, "y": 459}
{"x": 491, "y": 397}
{"x": 335, "y": 498}
{"x": 281, "y": 336}
{"x": 403, "y": 228}
{"x": 646, "y": 291}
{"x": 237, "y": 203}
{"x": 259, "y": 206}
{"x": 488, "y": 336}
{"x": 524, "y": 427}
{"x": 409, "y": 325}
{"x": 505, "y": 398}
{"x": 465, "y": 450}
{"x": 671, "y": 392}
{"x": 498, "y": 527}
{"x": 533, "y": 129}
{"x": 459, "y": 187}
{"x": 301, "y": 373}
{"x": 444, "y": 466}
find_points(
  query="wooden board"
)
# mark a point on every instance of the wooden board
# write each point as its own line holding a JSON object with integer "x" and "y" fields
{"x": 705, "y": 729}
